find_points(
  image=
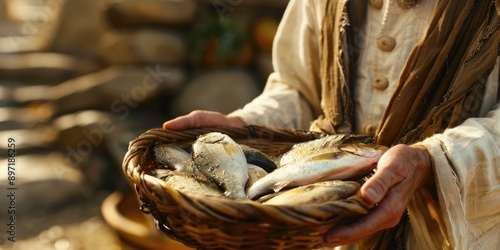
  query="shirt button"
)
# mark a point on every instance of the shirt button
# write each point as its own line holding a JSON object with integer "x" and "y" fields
{"x": 380, "y": 82}
{"x": 370, "y": 129}
{"x": 377, "y": 3}
{"x": 386, "y": 43}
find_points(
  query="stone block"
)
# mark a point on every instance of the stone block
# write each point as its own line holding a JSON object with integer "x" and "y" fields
{"x": 45, "y": 66}
{"x": 146, "y": 12}
{"x": 37, "y": 138}
{"x": 42, "y": 182}
{"x": 118, "y": 89}
{"x": 217, "y": 90}
{"x": 143, "y": 46}
{"x": 3, "y": 13}
{"x": 12, "y": 118}
{"x": 80, "y": 26}
{"x": 32, "y": 25}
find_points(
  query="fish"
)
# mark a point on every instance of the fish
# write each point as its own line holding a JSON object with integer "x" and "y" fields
{"x": 333, "y": 157}
{"x": 258, "y": 158}
{"x": 218, "y": 158}
{"x": 319, "y": 192}
{"x": 254, "y": 174}
{"x": 186, "y": 183}
{"x": 173, "y": 157}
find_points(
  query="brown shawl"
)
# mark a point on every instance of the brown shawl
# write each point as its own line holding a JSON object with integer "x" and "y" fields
{"x": 442, "y": 83}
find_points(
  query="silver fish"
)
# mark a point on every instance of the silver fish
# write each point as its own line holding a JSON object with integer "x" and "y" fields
{"x": 315, "y": 193}
{"x": 258, "y": 158}
{"x": 173, "y": 157}
{"x": 335, "y": 157}
{"x": 254, "y": 174}
{"x": 220, "y": 159}
{"x": 185, "y": 183}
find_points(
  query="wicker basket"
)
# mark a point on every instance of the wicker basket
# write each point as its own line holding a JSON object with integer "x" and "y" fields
{"x": 217, "y": 223}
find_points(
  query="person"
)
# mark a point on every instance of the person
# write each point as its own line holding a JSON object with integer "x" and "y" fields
{"x": 420, "y": 76}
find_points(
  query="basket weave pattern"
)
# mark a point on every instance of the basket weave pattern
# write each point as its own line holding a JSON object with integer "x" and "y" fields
{"x": 217, "y": 223}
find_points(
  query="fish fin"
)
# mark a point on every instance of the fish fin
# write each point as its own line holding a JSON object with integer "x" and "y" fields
{"x": 351, "y": 148}
{"x": 280, "y": 185}
{"x": 328, "y": 156}
{"x": 361, "y": 149}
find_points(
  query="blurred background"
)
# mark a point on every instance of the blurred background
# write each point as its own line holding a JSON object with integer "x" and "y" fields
{"x": 79, "y": 79}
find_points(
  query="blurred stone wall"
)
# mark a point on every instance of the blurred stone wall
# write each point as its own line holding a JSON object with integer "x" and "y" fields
{"x": 79, "y": 79}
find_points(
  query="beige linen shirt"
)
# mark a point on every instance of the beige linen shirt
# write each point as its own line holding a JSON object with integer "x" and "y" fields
{"x": 466, "y": 158}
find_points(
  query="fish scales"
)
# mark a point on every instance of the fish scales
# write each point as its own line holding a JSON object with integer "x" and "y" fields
{"x": 183, "y": 182}
{"x": 220, "y": 159}
{"x": 258, "y": 158}
{"x": 254, "y": 174}
{"x": 173, "y": 157}
{"x": 332, "y": 157}
{"x": 314, "y": 193}
{"x": 329, "y": 144}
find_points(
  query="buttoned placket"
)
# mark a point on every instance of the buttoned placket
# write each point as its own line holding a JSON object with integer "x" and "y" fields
{"x": 390, "y": 34}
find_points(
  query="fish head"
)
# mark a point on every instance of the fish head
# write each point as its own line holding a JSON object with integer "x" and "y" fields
{"x": 220, "y": 160}
{"x": 231, "y": 149}
{"x": 228, "y": 145}
{"x": 211, "y": 137}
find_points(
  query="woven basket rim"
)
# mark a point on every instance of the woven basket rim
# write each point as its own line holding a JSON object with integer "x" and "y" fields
{"x": 249, "y": 211}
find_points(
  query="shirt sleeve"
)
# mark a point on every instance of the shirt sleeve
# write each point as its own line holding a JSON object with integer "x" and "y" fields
{"x": 466, "y": 162}
{"x": 291, "y": 98}
{"x": 466, "y": 167}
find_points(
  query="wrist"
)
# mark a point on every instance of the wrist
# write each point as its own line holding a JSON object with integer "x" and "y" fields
{"x": 425, "y": 163}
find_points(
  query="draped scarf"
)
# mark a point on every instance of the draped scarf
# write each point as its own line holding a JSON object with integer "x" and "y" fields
{"x": 442, "y": 82}
{"x": 441, "y": 85}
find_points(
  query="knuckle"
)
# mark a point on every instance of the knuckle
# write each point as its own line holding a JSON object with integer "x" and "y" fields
{"x": 395, "y": 174}
{"x": 399, "y": 173}
{"x": 393, "y": 216}
{"x": 393, "y": 221}
{"x": 382, "y": 184}
{"x": 196, "y": 112}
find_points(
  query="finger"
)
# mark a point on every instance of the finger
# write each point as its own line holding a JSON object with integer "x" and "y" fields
{"x": 179, "y": 123}
{"x": 387, "y": 175}
{"x": 201, "y": 118}
{"x": 195, "y": 119}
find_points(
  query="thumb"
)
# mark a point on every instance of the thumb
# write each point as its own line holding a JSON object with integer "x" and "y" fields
{"x": 374, "y": 190}
{"x": 388, "y": 175}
